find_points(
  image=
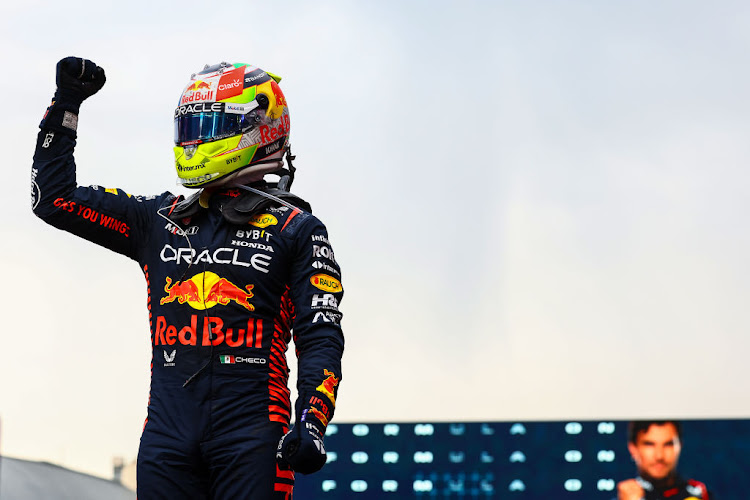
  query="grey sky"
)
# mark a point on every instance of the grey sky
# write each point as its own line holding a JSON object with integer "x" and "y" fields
{"x": 539, "y": 207}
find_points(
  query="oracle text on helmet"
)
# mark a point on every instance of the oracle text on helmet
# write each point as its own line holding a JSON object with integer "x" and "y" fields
{"x": 199, "y": 107}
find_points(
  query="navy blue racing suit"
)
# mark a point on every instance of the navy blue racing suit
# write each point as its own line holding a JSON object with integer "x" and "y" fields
{"x": 229, "y": 285}
{"x": 679, "y": 489}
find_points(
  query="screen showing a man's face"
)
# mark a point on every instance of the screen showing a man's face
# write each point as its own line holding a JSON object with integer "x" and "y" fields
{"x": 656, "y": 451}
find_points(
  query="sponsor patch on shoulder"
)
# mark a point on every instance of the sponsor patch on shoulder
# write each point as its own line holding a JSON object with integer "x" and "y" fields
{"x": 326, "y": 283}
{"x": 263, "y": 220}
{"x": 116, "y": 192}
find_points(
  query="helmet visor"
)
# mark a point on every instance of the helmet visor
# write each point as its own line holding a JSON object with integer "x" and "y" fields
{"x": 207, "y": 123}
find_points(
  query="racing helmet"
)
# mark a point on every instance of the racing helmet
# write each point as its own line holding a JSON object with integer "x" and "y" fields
{"x": 230, "y": 118}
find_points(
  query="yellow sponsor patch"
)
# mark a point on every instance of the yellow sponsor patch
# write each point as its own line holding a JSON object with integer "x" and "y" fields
{"x": 326, "y": 283}
{"x": 263, "y": 220}
{"x": 115, "y": 192}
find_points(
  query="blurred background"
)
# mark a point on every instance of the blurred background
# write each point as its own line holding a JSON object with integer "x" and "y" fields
{"x": 539, "y": 208}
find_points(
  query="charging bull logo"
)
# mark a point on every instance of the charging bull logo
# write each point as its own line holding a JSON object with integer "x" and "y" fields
{"x": 199, "y": 85}
{"x": 317, "y": 414}
{"x": 198, "y": 91}
{"x": 328, "y": 385}
{"x": 205, "y": 290}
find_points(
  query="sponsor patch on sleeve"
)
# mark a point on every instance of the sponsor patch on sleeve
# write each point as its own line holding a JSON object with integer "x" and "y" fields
{"x": 326, "y": 283}
{"x": 70, "y": 120}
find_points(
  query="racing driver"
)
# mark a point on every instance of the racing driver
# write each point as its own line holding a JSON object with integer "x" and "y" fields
{"x": 234, "y": 272}
{"x": 655, "y": 447}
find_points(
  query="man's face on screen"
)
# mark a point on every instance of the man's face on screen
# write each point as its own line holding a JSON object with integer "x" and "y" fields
{"x": 656, "y": 451}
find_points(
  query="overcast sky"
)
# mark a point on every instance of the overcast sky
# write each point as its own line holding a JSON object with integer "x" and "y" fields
{"x": 540, "y": 208}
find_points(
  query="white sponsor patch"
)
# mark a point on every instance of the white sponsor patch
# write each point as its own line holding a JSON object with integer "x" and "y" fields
{"x": 70, "y": 120}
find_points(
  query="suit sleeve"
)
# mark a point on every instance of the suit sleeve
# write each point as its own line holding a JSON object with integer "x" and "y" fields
{"x": 108, "y": 217}
{"x": 319, "y": 340}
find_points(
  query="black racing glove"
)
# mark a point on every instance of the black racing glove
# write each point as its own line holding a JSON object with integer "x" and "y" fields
{"x": 77, "y": 79}
{"x": 302, "y": 449}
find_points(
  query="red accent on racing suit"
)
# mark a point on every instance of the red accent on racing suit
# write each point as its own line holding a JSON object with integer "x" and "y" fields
{"x": 224, "y": 302}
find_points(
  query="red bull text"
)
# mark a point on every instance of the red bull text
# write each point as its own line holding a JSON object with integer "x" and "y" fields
{"x": 269, "y": 134}
{"x": 212, "y": 333}
{"x": 198, "y": 91}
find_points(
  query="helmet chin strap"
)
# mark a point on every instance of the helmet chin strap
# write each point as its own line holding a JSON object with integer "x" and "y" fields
{"x": 246, "y": 175}
{"x": 254, "y": 174}
{"x": 239, "y": 179}
{"x": 243, "y": 177}
{"x": 266, "y": 195}
{"x": 285, "y": 181}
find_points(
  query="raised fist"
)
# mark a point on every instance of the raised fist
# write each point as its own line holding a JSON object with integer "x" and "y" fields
{"x": 78, "y": 79}
{"x": 629, "y": 490}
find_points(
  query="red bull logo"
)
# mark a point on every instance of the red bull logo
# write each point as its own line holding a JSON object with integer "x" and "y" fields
{"x": 199, "y": 85}
{"x": 206, "y": 290}
{"x": 212, "y": 333}
{"x": 328, "y": 385}
{"x": 319, "y": 415}
{"x": 197, "y": 91}
{"x": 269, "y": 134}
